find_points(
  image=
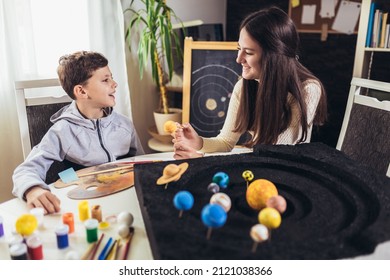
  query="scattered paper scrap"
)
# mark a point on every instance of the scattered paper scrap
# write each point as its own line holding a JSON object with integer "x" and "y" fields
{"x": 68, "y": 175}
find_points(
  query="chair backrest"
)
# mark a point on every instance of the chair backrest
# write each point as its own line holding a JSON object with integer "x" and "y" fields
{"x": 36, "y": 102}
{"x": 365, "y": 132}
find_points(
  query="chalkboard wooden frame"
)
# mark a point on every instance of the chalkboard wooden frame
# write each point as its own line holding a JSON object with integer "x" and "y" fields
{"x": 318, "y": 27}
{"x": 191, "y": 46}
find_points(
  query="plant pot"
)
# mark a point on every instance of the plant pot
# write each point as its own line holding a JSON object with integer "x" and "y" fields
{"x": 175, "y": 114}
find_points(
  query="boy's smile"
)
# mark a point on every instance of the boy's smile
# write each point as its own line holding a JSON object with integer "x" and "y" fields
{"x": 99, "y": 93}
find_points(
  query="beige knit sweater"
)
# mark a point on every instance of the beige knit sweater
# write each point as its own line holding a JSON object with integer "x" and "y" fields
{"x": 227, "y": 139}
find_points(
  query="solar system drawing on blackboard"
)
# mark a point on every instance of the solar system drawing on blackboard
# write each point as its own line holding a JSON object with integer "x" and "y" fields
{"x": 210, "y": 73}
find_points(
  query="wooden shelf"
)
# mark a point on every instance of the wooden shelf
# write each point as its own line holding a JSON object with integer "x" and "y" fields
{"x": 377, "y": 50}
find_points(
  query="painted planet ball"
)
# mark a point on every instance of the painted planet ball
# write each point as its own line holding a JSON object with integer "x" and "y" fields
{"x": 222, "y": 179}
{"x": 170, "y": 126}
{"x": 213, "y": 187}
{"x": 270, "y": 217}
{"x": 26, "y": 224}
{"x": 213, "y": 215}
{"x": 248, "y": 175}
{"x": 259, "y": 233}
{"x": 183, "y": 200}
{"x": 258, "y": 192}
{"x": 278, "y": 202}
{"x": 223, "y": 200}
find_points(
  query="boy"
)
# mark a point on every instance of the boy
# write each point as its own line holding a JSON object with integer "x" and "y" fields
{"x": 85, "y": 133}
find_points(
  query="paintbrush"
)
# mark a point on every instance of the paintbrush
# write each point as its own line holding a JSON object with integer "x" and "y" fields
{"x": 88, "y": 252}
{"x": 112, "y": 252}
{"x": 128, "y": 242}
{"x": 97, "y": 244}
{"x": 106, "y": 171}
{"x": 131, "y": 163}
{"x": 106, "y": 249}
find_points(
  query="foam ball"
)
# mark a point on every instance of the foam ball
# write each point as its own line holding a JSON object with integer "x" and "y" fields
{"x": 259, "y": 233}
{"x": 258, "y": 192}
{"x": 123, "y": 231}
{"x": 248, "y": 175}
{"x": 278, "y": 202}
{"x": 125, "y": 218}
{"x": 222, "y": 179}
{"x": 26, "y": 224}
{"x": 213, "y": 187}
{"x": 270, "y": 217}
{"x": 223, "y": 200}
{"x": 213, "y": 216}
{"x": 183, "y": 200}
{"x": 170, "y": 126}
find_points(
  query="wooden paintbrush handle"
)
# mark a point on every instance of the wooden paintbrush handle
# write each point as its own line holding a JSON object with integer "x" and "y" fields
{"x": 129, "y": 167}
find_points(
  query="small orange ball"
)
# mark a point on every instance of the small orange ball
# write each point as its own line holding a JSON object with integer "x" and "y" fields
{"x": 258, "y": 192}
{"x": 170, "y": 126}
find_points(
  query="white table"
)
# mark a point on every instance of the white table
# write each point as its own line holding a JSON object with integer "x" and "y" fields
{"x": 111, "y": 205}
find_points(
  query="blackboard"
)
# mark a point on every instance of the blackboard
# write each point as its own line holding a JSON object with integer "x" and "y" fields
{"x": 318, "y": 27}
{"x": 209, "y": 75}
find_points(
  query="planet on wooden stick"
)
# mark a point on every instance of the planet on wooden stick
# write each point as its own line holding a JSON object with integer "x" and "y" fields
{"x": 171, "y": 173}
{"x": 223, "y": 200}
{"x": 222, "y": 179}
{"x": 270, "y": 217}
{"x": 183, "y": 201}
{"x": 248, "y": 176}
{"x": 170, "y": 126}
{"x": 213, "y": 216}
{"x": 278, "y": 202}
{"x": 258, "y": 192}
{"x": 213, "y": 187}
{"x": 259, "y": 233}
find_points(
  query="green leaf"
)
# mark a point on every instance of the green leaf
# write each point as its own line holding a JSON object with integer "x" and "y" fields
{"x": 156, "y": 36}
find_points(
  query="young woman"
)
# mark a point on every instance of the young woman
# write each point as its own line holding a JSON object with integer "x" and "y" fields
{"x": 277, "y": 100}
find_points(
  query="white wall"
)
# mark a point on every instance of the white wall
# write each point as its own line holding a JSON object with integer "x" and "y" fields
{"x": 209, "y": 11}
{"x": 143, "y": 93}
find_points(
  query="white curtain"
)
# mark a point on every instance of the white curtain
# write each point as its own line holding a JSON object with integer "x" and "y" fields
{"x": 23, "y": 48}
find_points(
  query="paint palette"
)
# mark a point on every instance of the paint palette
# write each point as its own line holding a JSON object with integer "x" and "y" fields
{"x": 100, "y": 180}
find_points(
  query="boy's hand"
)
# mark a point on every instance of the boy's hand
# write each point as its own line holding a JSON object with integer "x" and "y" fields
{"x": 39, "y": 197}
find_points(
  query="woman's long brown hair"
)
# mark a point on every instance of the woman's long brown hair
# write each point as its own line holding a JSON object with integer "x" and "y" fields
{"x": 264, "y": 107}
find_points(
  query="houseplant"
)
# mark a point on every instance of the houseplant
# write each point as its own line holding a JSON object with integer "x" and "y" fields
{"x": 157, "y": 38}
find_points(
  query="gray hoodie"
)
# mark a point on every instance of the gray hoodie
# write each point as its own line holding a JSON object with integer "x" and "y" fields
{"x": 79, "y": 140}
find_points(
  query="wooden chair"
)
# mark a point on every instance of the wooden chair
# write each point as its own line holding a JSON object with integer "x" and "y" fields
{"x": 365, "y": 132}
{"x": 36, "y": 102}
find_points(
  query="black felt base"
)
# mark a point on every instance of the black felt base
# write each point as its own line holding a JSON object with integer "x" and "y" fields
{"x": 336, "y": 208}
